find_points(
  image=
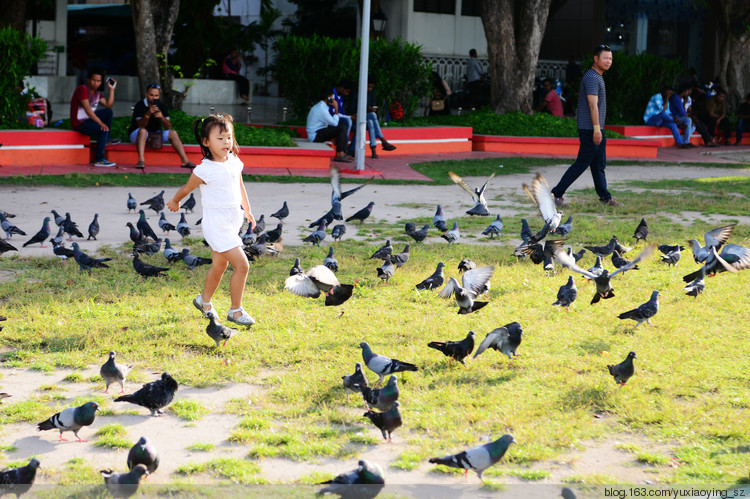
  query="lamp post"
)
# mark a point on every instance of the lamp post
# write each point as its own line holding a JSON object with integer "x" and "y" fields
{"x": 379, "y": 21}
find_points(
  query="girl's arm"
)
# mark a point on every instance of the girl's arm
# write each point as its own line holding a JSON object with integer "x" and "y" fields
{"x": 246, "y": 204}
{"x": 193, "y": 182}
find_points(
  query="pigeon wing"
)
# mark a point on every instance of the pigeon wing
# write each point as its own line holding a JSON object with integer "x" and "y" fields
{"x": 449, "y": 288}
{"x": 644, "y": 254}
{"x": 717, "y": 237}
{"x": 475, "y": 280}
{"x": 301, "y": 285}
{"x": 463, "y": 185}
{"x": 495, "y": 338}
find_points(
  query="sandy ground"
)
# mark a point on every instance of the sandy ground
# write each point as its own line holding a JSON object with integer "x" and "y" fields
{"x": 306, "y": 202}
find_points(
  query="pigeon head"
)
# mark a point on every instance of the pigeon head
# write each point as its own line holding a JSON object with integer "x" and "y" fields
{"x": 112, "y": 355}
{"x": 632, "y": 356}
{"x": 392, "y": 381}
{"x": 370, "y": 473}
{"x": 499, "y": 446}
{"x": 169, "y": 381}
{"x": 139, "y": 470}
{"x": 358, "y": 367}
{"x": 34, "y": 463}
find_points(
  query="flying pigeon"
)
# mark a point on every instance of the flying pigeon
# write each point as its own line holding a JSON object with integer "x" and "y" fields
{"x": 435, "y": 280}
{"x": 146, "y": 270}
{"x": 494, "y": 228}
{"x": 641, "y": 232}
{"x": 438, "y": 221}
{"x": 365, "y": 482}
{"x": 667, "y": 248}
{"x": 477, "y": 458}
{"x": 193, "y": 261}
{"x": 171, "y": 254}
{"x": 330, "y": 261}
{"x": 112, "y": 372}
{"x": 603, "y": 251}
{"x": 317, "y": 279}
{"x": 84, "y": 261}
{"x": 9, "y": 228}
{"x": 338, "y": 232}
{"x": 713, "y": 238}
{"x": 419, "y": 235}
{"x": 189, "y": 204}
{"x": 697, "y": 286}
{"x": 542, "y": 196}
{"x": 40, "y": 236}
{"x": 505, "y": 339}
{"x": 353, "y": 382}
{"x": 472, "y": 284}
{"x": 318, "y": 236}
{"x": 399, "y": 259}
{"x": 164, "y": 225}
{"x": 477, "y": 194}
{"x": 386, "y": 271}
{"x": 732, "y": 258}
{"x": 567, "y": 294}
{"x": 672, "y": 257}
{"x": 275, "y": 234}
{"x": 383, "y": 251}
{"x": 183, "y": 227}
{"x": 620, "y": 248}
{"x": 362, "y": 214}
{"x": 624, "y": 370}
{"x": 643, "y": 312}
{"x": 260, "y": 225}
{"x": 381, "y": 399}
{"x": 337, "y": 195}
{"x": 453, "y": 235}
{"x": 144, "y": 226}
{"x": 382, "y": 365}
{"x": 456, "y": 350}
{"x": 386, "y": 422}
{"x": 6, "y": 246}
{"x": 143, "y": 452}
{"x": 132, "y": 204}
{"x": 219, "y": 332}
{"x": 156, "y": 203}
{"x": 282, "y": 212}
{"x": 154, "y": 396}
{"x": 18, "y": 481}
{"x": 71, "y": 419}
{"x": 124, "y": 484}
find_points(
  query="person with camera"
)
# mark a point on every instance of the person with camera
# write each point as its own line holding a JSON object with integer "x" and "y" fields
{"x": 91, "y": 113}
{"x": 150, "y": 125}
{"x": 324, "y": 124}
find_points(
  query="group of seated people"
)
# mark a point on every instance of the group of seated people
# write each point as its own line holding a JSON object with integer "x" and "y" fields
{"x": 333, "y": 117}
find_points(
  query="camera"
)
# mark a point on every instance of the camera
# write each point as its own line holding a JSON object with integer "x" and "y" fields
{"x": 111, "y": 81}
{"x": 156, "y": 102}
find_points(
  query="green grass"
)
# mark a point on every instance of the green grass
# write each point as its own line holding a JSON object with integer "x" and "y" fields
{"x": 74, "y": 377}
{"x": 202, "y": 447}
{"x": 236, "y": 470}
{"x": 113, "y": 436}
{"x": 188, "y": 410}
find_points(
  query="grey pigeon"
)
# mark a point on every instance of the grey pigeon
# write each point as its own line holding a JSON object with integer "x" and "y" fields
{"x": 93, "y": 228}
{"x": 59, "y": 237}
{"x": 330, "y": 261}
{"x": 473, "y": 283}
{"x": 338, "y": 232}
{"x": 381, "y": 399}
{"x": 410, "y": 227}
{"x": 70, "y": 227}
{"x": 249, "y": 237}
{"x": 477, "y": 194}
{"x": 145, "y": 269}
{"x": 387, "y": 422}
{"x": 667, "y": 248}
{"x": 714, "y": 238}
{"x": 58, "y": 218}
{"x": 71, "y": 419}
{"x": 319, "y": 279}
{"x": 193, "y": 261}
{"x": 438, "y": 220}
{"x": 456, "y": 350}
{"x": 154, "y": 396}
{"x": 260, "y": 225}
{"x": 282, "y": 212}
{"x": 6, "y": 246}
{"x": 621, "y": 248}
{"x": 113, "y": 372}
{"x": 494, "y": 229}
{"x": 7, "y": 215}
{"x": 419, "y": 235}
{"x": 643, "y": 313}
{"x": 466, "y": 264}
{"x": 477, "y": 458}
{"x": 382, "y": 365}
{"x": 219, "y": 332}
{"x": 386, "y": 271}
{"x": 124, "y": 484}
{"x": 399, "y": 259}
{"x": 618, "y": 261}
{"x": 540, "y": 193}
{"x": 567, "y": 493}
{"x": 40, "y": 236}
{"x": 275, "y": 234}
{"x": 435, "y": 280}
{"x": 143, "y": 452}
{"x": 641, "y": 232}
{"x": 189, "y": 204}
{"x": 18, "y": 481}
{"x": 605, "y": 250}
{"x": 144, "y": 226}
{"x": 317, "y": 236}
{"x": 453, "y": 235}
{"x": 183, "y": 227}
{"x": 732, "y": 258}
{"x": 135, "y": 235}
{"x": 9, "y": 228}
{"x": 672, "y": 257}
{"x": 365, "y": 482}
{"x": 171, "y": 254}
{"x": 296, "y": 268}
{"x": 164, "y": 224}
{"x": 146, "y": 247}
{"x": 697, "y": 286}
{"x": 505, "y": 339}
{"x": 578, "y": 255}
{"x": 85, "y": 262}
{"x": 253, "y": 251}
{"x": 132, "y": 204}
{"x": 623, "y": 371}
{"x": 526, "y": 233}
{"x": 156, "y": 203}
{"x": 362, "y": 214}
{"x": 328, "y": 218}
{"x": 565, "y": 228}
{"x": 567, "y": 294}
{"x": 383, "y": 251}
{"x": 353, "y": 382}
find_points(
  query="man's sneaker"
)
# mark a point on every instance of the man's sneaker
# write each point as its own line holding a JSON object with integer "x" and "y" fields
{"x": 560, "y": 202}
{"x": 105, "y": 163}
{"x": 114, "y": 142}
{"x": 611, "y": 202}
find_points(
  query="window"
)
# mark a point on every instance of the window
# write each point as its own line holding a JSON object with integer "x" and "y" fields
{"x": 435, "y": 6}
{"x": 471, "y": 8}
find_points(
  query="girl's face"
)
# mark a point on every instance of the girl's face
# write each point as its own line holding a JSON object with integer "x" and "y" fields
{"x": 219, "y": 143}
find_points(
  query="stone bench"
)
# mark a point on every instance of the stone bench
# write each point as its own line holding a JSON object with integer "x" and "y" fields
{"x": 623, "y": 148}
{"x": 40, "y": 147}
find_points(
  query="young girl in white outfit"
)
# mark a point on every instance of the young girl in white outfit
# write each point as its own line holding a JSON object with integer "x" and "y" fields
{"x": 224, "y": 199}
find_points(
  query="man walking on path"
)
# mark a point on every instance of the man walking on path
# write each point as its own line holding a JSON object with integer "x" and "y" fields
{"x": 592, "y": 109}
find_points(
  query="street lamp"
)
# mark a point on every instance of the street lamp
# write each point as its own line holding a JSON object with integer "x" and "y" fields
{"x": 379, "y": 20}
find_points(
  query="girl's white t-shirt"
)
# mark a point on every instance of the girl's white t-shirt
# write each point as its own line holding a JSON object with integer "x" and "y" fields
{"x": 222, "y": 182}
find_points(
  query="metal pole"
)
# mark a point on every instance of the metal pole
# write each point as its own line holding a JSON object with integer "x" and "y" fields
{"x": 359, "y": 147}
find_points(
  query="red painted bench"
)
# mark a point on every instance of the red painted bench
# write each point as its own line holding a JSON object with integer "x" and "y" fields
{"x": 659, "y": 133}
{"x": 623, "y": 148}
{"x": 42, "y": 147}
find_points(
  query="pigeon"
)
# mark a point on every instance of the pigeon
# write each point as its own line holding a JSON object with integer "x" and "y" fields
{"x": 697, "y": 286}
{"x": 603, "y": 251}
{"x": 526, "y": 233}
{"x": 456, "y": 350}
{"x": 183, "y": 228}
{"x": 60, "y": 250}
{"x": 318, "y": 236}
{"x": 419, "y": 235}
{"x": 667, "y": 248}
{"x": 144, "y": 246}
{"x": 435, "y": 280}
{"x": 597, "y": 268}
{"x": 249, "y": 237}
{"x": 40, "y": 236}
{"x": 147, "y": 270}
{"x": 386, "y": 422}
{"x": 365, "y": 482}
{"x": 260, "y": 225}
{"x": 466, "y": 264}
{"x": 338, "y": 232}
{"x": 156, "y": 203}
{"x": 732, "y": 258}
{"x": 386, "y": 270}
{"x": 383, "y": 251}
{"x": 399, "y": 259}
{"x": 328, "y": 218}
{"x": 153, "y": 396}
{"x": 494, "y": 228}
{"x": 189, "y": 204}
{"x": 472, "y": 284}
{"x": 578, "y": 255}
{"x": 5, "y": 213}
{"x": 193, "y": 261}
{"x": 282, "y": 213}
{"x": 542, "y": 196}
{"x": 643, "y": 312}
{"x": 59, "y": 237}
{"x": 565, "y": 228}
{"x": 296, "y": 268}
{"x": 354, "y": 382}
{"x": 275, "y": 234}
{"x": 71, "y": 419}
{"x": 144, "y": 226}
{"x": 362, "y": 214}
{"x": 477, "y": 194}
{"x": 672, "y": 257}
{"x": 382, "y": 365}
{"x": 438, "y": 221}
{"x": 164, "y": 225}
{"x": 624, "y": 370}
{"x": 171, "y": 254}
{"x": 70, "y": 227}
{"x": 620, "y": 248}
{"x": 453, "y": 235}
{"x": 410, "y": 227}
{"x": 477, "y": 458}
{"x": 567, "y": 493}
{"x": 381, "y": 399}
{"x": 330, "y": 261}
{"x": 59, "y": 219}
{"x": 124, "y": 484}
{"x": 317, "y": 279}
{"x": 9, "y": 228}
{"x": 567, "y": 294}
{"x": 6, "y": 246}
{"x": 618, "y": 261}
{"x": 132, "y": 204}
{"x": 84, "y": 261}
{"x": 256, "y": 250}
{"x": 505, "y": 339}
{"x": 18, "y": 481}
{"x": 112, "y": 372}
{"x": 713, "y": 238}
{"x": 641, "y": 232}
{"x": 337, "y": 195}
{"x": 135, "y": 235}
{"x": 143, "y": 452}
{"x": 219, "y": 332}
{"x": 93, "y": 228}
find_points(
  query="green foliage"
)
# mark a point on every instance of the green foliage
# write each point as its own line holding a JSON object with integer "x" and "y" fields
{"x": 188, "y": 410}
{"x": 305, "y": 66}
{"x": 18, "y": 53}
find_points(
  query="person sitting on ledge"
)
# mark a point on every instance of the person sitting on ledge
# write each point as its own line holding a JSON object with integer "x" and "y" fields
{"x": 323, "y": 125}
{"x": 657, "y": 114}
{"x": 91, "y": 114}
{"x": 150, "y": 115}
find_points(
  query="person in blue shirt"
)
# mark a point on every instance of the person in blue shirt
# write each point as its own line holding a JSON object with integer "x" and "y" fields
{"x": 657, "y": 114}
{"x": 323, "y": 125}
{"x": 340, "y": 92}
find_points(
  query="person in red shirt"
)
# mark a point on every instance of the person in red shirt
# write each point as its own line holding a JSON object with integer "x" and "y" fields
{"x": 91, "y": 113}
{"x": 551, "y": 103}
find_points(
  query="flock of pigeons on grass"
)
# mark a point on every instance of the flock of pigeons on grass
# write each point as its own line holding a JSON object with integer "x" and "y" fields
{"x": 382, "y": 404}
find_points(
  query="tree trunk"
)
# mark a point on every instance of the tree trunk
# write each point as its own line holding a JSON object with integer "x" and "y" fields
{"x": 153, "y": 22}
{"x": 13, "y": 14}
{"x": 733, "y": 28}
{"x": 514, "y": 31}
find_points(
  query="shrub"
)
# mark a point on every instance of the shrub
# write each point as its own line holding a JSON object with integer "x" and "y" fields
{"x": 18, "y": 52}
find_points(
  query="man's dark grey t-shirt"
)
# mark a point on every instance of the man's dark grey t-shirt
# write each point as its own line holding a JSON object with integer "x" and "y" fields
{"x": 592, "y": 83}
